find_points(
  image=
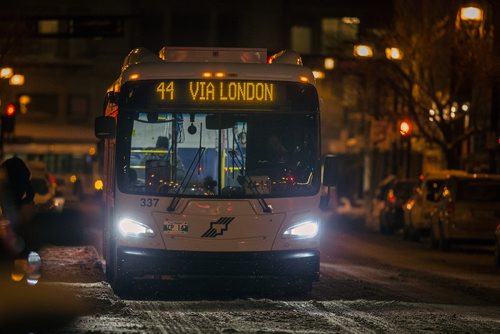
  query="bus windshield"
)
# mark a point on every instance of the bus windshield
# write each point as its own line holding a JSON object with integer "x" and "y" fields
{"x": 218, "y": 154}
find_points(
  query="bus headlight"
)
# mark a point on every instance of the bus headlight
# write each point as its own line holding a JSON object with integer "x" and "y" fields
{"x": 131, "y": 228}
{"x": 303, "y": 230}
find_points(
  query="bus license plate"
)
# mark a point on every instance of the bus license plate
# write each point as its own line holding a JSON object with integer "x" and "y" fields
{"x": 175, "y": 227}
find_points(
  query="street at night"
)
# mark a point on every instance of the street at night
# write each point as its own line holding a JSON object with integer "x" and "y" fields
{"x": 221, "y": 166}
{"x": 369, "y": 283}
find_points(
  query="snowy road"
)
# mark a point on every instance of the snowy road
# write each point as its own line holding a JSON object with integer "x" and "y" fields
{"x": 369, "y": 283}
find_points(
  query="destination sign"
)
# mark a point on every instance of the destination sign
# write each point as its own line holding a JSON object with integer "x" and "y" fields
{"x": 221, "y": 91}
{"x": 219, "y": 94}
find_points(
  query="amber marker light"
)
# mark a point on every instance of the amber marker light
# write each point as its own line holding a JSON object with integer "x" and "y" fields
{"x": 471, "y": 14}
{"x": 6, "y": 72}
{"x": 363, "y": 51}
{"x": 219, "y": 75}
{"x": 206, "y": 74}
{"x": 134, "y": 76}
{"x": 304, "y": 78}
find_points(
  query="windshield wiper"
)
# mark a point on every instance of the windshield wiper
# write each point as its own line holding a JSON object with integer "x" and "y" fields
{"x": 251, "y": 185}
{"x": 188, "y": 176}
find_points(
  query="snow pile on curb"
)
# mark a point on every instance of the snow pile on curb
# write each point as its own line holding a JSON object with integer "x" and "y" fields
{"x": 71, "y": 264}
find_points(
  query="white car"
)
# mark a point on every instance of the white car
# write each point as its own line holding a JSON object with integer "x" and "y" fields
{"x": 421, "y": 207}
{"x": 468, "y": 210}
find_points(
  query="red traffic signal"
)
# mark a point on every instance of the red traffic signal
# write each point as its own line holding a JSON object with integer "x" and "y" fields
{"x": 11, "y": 110}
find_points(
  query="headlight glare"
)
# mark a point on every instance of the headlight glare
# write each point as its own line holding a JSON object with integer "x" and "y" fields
{"x": 131, "y": 228}
{"x": 303, "y": 230}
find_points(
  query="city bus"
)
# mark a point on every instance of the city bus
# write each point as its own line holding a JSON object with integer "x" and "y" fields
{"x": 212, "y": 167}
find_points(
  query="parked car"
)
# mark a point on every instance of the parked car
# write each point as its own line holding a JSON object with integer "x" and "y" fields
{"x": 468, "y": 210}
{"x": 497, "y": 246}
{"x": 377, "y": 203}
{"x": 421, "y": 207}
{"x": 391, "y": 217}
{"x": 47, "y": 197}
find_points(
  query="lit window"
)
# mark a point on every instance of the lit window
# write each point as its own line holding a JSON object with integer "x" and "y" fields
{"x": 48, "y": 27}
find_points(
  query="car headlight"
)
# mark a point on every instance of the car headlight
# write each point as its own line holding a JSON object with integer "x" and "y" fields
{"x": 131, "y": 228}
{"x": 303, "y": 230}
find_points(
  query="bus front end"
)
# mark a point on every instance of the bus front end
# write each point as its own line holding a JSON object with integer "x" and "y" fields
{"x": 216, "y": 176}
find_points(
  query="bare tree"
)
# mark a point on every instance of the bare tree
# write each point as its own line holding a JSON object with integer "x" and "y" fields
{"x": 443, "y": 76}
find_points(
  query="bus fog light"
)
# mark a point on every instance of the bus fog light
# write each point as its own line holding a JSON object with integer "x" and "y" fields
{"x": 131, "y": 228}
{"x": 306, "y": 229}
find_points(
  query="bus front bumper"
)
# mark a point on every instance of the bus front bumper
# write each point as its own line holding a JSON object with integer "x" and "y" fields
{"x": 140, "y": 262}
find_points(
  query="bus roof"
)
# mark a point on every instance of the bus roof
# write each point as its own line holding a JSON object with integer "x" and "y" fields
{"x": 215, "y": 63}
{"x": 235, "y": 71}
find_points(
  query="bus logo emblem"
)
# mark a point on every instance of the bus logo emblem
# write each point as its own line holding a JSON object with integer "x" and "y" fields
{"x": 218, "y": 227}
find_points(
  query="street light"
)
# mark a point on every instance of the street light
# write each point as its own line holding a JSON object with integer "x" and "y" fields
{"x": 329, "y": 63}
{"x": 16, "y": 80}
{"x": 393, "y": 53}
{"x": 363, "y": 51}
{"x": 404, "y": 128}
{"x": 471, "y": 14}
{"x": 6, "y": 72}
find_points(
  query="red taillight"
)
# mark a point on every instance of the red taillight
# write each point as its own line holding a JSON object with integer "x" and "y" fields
{"x": 451, "y": 208}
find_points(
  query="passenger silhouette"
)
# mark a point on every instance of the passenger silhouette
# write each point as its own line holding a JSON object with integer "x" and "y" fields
{"x": 16, "y": 201}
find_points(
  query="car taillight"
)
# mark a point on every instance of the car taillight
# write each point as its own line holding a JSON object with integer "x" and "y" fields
{"x": 451, "y": 208}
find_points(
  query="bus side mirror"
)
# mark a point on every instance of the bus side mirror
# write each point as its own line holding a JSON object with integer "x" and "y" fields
{"x": 105, "y": 127}
{"x": 330, "y": 171}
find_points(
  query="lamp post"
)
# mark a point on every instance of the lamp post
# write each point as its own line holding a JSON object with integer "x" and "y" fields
{"x": 470, "y": 31}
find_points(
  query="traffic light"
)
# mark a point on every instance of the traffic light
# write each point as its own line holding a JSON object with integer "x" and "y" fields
{"x": 9, "y": 117}
{"x": 405, "y": 128}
